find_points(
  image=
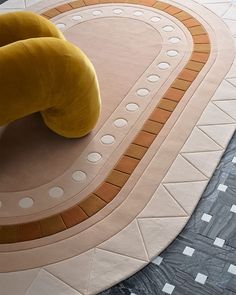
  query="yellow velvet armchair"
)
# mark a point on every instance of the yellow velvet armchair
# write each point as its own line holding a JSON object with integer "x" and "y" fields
{"x": 42, "y": 72}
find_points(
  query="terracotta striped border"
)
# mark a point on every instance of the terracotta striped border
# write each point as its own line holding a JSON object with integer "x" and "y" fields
{"x": 123, "y": 169}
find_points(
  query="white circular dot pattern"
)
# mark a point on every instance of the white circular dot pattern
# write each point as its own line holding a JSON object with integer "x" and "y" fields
{"x": 60, "y": 26}
{"x": 117, "y": 11}
{"x": 138, "y": 13}
{"x": 132, "y": 107}
{"x": 172, "y": 53}
{"x": 76, "y": 17}
{"x": 143, "y": 92}
{"x": 155, "y": 19}
{"x": 79, "y": 176}
{"x": 94, "y": 157}
{"x": 97, "y": 12}
{"x": 153, "y": 78}
{"x": 107, "y": 139}
{"x": 163, "y": 65}
{"x": 168, "y": 29}
{"x": 174, "y": 40}
{"x": 56, "y": 192}
{"x": 120, "y": 123}
{"x": 26, "y": 203}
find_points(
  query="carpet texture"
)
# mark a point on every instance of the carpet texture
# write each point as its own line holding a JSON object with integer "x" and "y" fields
{"x": 86, "y": 214}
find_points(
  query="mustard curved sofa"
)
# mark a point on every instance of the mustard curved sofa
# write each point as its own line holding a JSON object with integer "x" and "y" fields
{"x": 42, "y": 72}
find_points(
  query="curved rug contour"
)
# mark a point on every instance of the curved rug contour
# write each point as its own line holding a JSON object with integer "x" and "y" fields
{"x": 92, "y": 212}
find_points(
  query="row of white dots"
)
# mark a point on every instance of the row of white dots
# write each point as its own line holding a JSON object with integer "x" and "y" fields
{"x": 78, "y": 17}
{"x": 118, "y": 11}
{"x": 173, "y": 40}
{"x": 80, "y": 176}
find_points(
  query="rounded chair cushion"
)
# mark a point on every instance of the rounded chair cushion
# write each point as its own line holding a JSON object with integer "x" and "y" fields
{"x": 42, "y": 72}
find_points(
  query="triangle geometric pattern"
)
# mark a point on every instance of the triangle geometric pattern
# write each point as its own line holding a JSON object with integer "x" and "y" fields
{"x": 156, "y": 230}
{"x": 219, "y": 133}
{"x": 162, "y": 204}
{"x": 231, "y": 75}
{"x": 206, "y": 162}
{"x": 231, "y": 24}
{"x": 230, "y": 14}
{"x": 199, "y": 142}
{"x": 218, "y": 8}
{"x": 226, "y": 91}
{"x": 228, "y": 106}
{"x": 182, "y": 171}
{"x": 186, "y": 193}
{"x": 232, "y": 80}
{"x": 213, "y": 115}
{"x": 107, "y": 266}
{"x": 128, "y": 242}
{"x": 20, "y": 281}
{"x": 45, "y": 283}
{"x": 74, "y": 271}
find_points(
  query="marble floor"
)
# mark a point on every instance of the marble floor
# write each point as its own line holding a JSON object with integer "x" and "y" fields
{"x": 202, "y": 258}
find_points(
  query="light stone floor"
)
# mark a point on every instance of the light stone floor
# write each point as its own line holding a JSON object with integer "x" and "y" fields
{"x": 220, "y": 112}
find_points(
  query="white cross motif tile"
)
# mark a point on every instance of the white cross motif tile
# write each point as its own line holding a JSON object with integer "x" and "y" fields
{"x": 233, "y": 209}
{"x": 206, "y": 217}
{"x": 188, "y": 251}
{"x": 219, "y": 242}
{"x": 222, "y": 187}
{"x": 232, "y": 269}
{"x": 201, "y": 278}
{"x": 157, "y": 260}
{"x": 168, "y": 288}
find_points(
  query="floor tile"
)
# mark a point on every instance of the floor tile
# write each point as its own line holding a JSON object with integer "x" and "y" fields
{"x": 188, "y": 251}
{"x": 168, "y": 288}
{"x": 206, "y": 217}
{"x": 201, "y": 278}
{"x": 219, "y": 242}
{"x": 232, "y": 269}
